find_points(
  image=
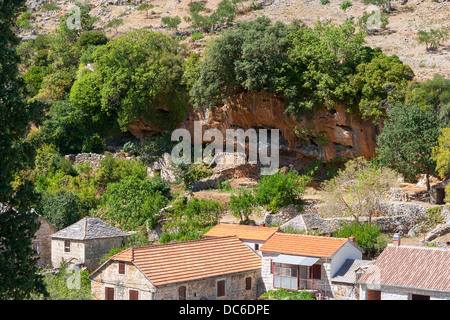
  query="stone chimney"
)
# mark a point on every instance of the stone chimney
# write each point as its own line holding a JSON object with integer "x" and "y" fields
{"x": 396, "y": 240}
{"x": 352, "y": 238}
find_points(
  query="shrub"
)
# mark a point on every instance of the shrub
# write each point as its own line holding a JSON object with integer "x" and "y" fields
{"x": 92, "y": 38}
{"x": 279, "y": 190}
{"x": 196, "y": 35}
{"x": 130, "y": 203}
{"x": 283, "y": 294}
{"x": 432, "y": 38}
{"x": 324, "y": 2}
{"x": 241, "y": 206}
{"x": 367, "y": 236}
{"x": 345, "y": 5}
{"x": 60, "y": 209}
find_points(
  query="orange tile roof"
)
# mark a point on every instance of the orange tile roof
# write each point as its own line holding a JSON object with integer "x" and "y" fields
{"x": 412, "y": 267}
{"x": 191, "y": 260}
{"x": 303, "y": 245}
{"x": 242, "y": 231}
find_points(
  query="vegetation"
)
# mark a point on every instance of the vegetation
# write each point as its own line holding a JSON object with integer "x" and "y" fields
{"x": 367, "y": 236}
{"x": 18, "y": 276}
{"x": 409, "y": 135}
{"x": 432, "y": 38}
{"x": 358, "y": 190}
{"x": 283, "y": 294}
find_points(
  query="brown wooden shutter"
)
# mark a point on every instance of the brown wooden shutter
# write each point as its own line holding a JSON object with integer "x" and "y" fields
{"x": 221, "y": 288}
{"x": 66, "y": 245}
{"x": 373, "y": 295}
{"x": 248, "y": 283}
{"x": 109, "y": 293}
{"x": 134, "y": 294}
{"x": 121, "y": 267}
{"x": 182, "y": 293}
{"x": 316, "y": 271}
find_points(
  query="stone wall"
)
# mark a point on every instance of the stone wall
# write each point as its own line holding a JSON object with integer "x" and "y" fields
{"x": 75, "y": 256}
{"x": 134, "y": 279}
{"x": 96, "y": 250}
{"x": 389, "y": 293}
{"x": 42, "y": 242}
{"x": 207, "y": 289}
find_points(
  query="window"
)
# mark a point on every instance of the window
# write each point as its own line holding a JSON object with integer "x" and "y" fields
{"x": 182, "y": 293}
{"x": 121, "y": 267}
{"x": 134, "y": 295}
{"x": 419, "y": 297}
{"x": 37, "y": 247}
{"x": 66, "y": 245}
{"x": 221, "y": 288}
{"x": 256, "y": 246}
{"x": 248, "y": 283}
{"x": 316, "y": 271}
{"x": 109, "y": 293}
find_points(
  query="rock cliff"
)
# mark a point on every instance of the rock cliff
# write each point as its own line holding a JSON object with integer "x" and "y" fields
{"x": 323, "y": 134}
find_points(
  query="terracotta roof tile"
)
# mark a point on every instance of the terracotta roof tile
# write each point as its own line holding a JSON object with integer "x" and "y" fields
{"x": 411, "y": 266}
{"x": 242, "y": 231}
{"x": 304, "y": 245}
{"x": 191, "y": 260}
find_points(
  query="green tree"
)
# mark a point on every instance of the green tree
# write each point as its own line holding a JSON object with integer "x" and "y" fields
{"x": 367, "y": 236}
{"x": 357, "y": 190}
{"x": 379, "y": 84}
{"x": 130, "y": 203}
{"x": 61, "y": 209}
{"x": 406, "y": 142}
{"x": 145, "y": 7}
{"x": 134, "y": 76}
{"x": 433, "y": 94}
{"x": 171, "y": 23}
{"x": 241, "y": 206}
{"x": 441, "y": 153}
{"x": 115, "y": 24}
{"x": 18, "y": 224}
{"x": 432, "y": 38}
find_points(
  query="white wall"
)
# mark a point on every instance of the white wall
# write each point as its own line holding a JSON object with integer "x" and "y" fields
{"x": 347, "y": 251}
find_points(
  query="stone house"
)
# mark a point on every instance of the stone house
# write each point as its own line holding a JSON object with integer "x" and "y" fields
{"x": 296, "y": 262}
{"x": 344, "y": 282}
{"x": 42, "y": 242}
{"x": 214, "y": 268}
{"x": 252, "y": 236}
{"x": 407, "y": 273}
{"x": 85, "y": 242}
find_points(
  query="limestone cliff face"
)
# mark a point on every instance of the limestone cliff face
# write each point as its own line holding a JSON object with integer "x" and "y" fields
{"x": 324, "y": 134}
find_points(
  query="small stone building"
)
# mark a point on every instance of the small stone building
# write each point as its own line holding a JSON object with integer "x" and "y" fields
{"x": 407, "y": 273}
{"x": 252, "y": 236}
{"x": 297, "y": 262}
{"x": 85, "y": 242}
{"x": 344, "y": 282}
{"x": 42, "y": 242}
{"x": 216, "y": 268}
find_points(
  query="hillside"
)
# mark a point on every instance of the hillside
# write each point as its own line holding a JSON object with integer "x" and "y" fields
{"x": 399, "y": 37}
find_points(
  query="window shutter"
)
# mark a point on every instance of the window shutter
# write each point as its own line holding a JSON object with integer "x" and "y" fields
{"x": 316, "y": 271}
{"x": 109, "y": 293}
{"x": 134, "y": 294}
{"x": 271, "y": 267}
{"x": 221, "y": 288}
{"x": 248, "y": 283}
{"x": 121, "y": 267}
{"x": 66, "y": 245}
{"x": 182, "y": 293}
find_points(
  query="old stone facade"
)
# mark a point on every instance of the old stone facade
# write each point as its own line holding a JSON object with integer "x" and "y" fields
{"x": 206, "y": 289}
{"x": 85, "y": 242}
{"x": 42, "y": 242}
{"x": 84, "y": 252}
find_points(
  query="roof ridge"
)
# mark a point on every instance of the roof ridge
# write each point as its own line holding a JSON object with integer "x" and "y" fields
{"x": 183, "y": 242}
{"x": 310, "y": 235}
{"x": 244, "y": 226}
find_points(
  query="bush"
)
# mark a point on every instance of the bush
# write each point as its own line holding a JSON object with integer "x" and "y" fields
{"x": 283, "y": 294}
{"x": 130, "y": 203}
{"x": 241, "y": 206}
{"x": 432, "y": 38}
{"x": 61, "y": 209}
{"x": 345, "y": 5}
{"x": 280, "y": 190}
{"x": 367, "y": 236}
{"x": 92, "y": 38}
{"x": 196, "y": 35}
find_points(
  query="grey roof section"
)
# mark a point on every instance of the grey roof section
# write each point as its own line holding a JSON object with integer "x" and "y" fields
{"x": 296, "y": 260}
{"x": 89, "y": 228}
{"x": 347, "y": 272}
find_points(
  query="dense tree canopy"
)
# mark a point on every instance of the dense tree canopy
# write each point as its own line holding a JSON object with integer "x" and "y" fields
{"x": 135, "y": 75}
